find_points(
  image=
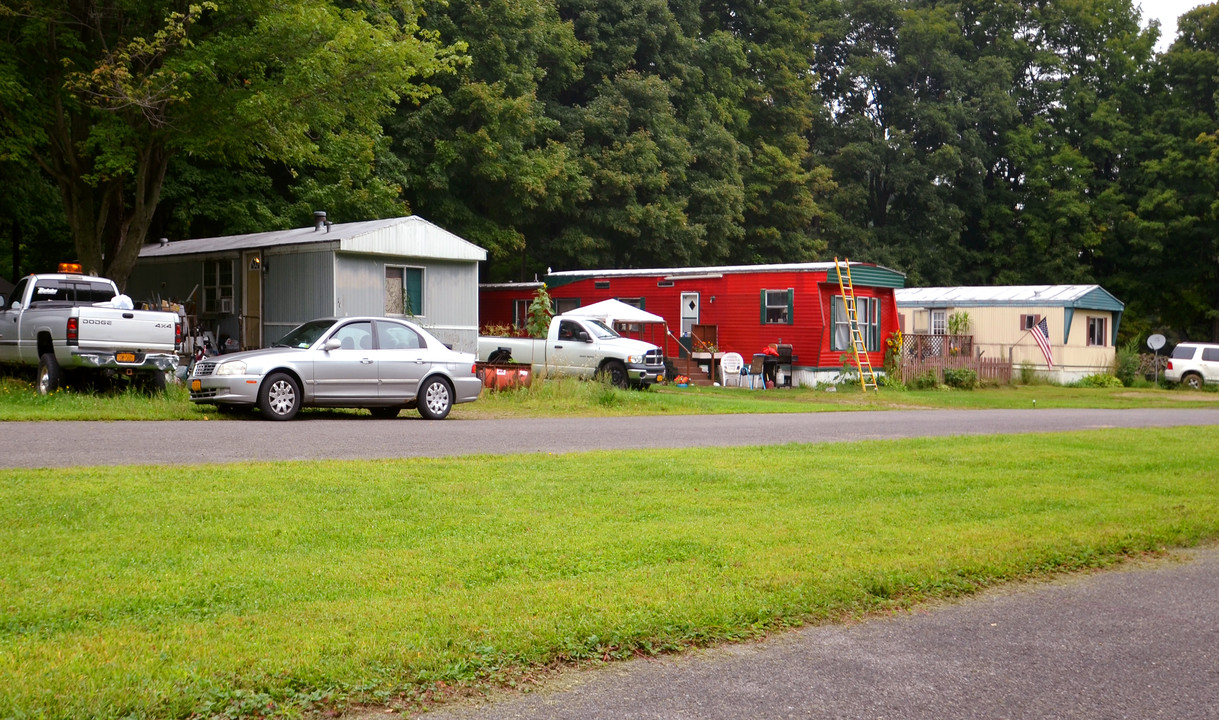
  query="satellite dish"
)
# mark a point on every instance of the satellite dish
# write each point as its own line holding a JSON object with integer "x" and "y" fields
{"x": 1155, "y": 342}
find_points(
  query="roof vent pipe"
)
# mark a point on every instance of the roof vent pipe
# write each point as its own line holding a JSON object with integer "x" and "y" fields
{"x": 319, "y": 220}
{"x": 164, "y": 242}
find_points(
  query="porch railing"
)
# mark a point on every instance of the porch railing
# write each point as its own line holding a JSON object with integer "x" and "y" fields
{"x": 926, "y": 345}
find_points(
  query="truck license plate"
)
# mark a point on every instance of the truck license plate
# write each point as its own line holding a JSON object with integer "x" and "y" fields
{"x": 196, "y": 385}
{"x": 125, "y": 357}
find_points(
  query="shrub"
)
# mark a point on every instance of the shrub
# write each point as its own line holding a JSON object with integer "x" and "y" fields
{"x": 1099, "y": 380}
{"x": 925, "y": 381}
{"x": 1028, "y": 374}
{"x": 961, "y": 378}
{"x": 537, "y": 322}
{"x": 1126, "y": 362}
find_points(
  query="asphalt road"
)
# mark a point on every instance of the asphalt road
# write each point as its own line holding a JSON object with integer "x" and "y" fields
{"x": 1141, "y": 642}
{"x": 63, "y": 444}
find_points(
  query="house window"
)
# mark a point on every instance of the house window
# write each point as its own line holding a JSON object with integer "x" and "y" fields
{"x": 634, "y": 302}
{"x": 520, "y": 312}
{"x": 563, "y": 305}
{"x": 868, "y": 310}
{"x": 218, "y": 286}
{"x": 601, "y": 284}
{"x": 939, "y": 322}
{"x": 1096, "y": 331}
{"x": 1028, "y": 321}
{"x": 403, "y": 291}
{"x": 777, "y": 306}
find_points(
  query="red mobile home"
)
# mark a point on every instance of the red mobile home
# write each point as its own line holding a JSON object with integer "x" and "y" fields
{"x": 736, "y": 308}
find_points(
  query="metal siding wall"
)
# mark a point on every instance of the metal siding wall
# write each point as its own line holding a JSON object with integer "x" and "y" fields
{"x": 450, "y": 294}
{"x": 296, "y": 288}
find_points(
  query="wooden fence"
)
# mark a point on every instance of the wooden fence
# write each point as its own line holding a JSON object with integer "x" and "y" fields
{"x": 988, "y": 369}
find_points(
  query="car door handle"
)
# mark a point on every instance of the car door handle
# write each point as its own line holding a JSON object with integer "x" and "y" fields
{"x": 366, "y": 361}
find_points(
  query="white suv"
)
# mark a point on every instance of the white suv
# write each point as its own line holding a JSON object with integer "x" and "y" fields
{"x": 1193, "y": 364}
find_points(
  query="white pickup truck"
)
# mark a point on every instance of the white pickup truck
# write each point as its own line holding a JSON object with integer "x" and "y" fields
{"x": 66, "y": 322}
{"x": 580, "y": 347}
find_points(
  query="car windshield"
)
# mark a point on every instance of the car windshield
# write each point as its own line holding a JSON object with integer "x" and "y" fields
{"x": 305, "y": 335}
{"x": 601, "y": 330}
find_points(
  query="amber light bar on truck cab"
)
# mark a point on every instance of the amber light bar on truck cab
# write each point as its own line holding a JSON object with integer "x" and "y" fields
{"x": 71, "y": 269}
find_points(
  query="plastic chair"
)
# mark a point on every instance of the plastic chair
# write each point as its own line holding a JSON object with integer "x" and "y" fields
{"x": 756, "y": 372}
{"x": 730, "y": 366}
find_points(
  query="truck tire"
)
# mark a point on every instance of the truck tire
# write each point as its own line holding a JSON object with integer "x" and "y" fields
{"x": 156, "y": 382}
{"x": 615, "y": 374}
{"x": 50, "y": 376}
{"x": 1192, "y": 380}
{"x": 435, "y": 399}
{"x": 279, "y": 398}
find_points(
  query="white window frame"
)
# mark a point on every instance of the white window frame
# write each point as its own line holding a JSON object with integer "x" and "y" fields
{"x": 215, "y": 290}
{"x": 939, "y": 321}
{"x": 778, "y": 307}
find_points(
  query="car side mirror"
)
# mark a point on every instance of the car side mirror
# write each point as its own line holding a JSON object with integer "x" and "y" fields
{"x": 584, "y": 337}
{"x": 2, "y": 299}
{"x": 332, "y": 344}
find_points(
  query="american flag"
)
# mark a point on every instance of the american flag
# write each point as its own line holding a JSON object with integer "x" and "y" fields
{"x": 1041, "y": 332}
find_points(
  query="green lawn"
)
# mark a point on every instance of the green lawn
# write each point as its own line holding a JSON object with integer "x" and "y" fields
{"x": 19, "y": 401}
{"x": 275, "y": 589}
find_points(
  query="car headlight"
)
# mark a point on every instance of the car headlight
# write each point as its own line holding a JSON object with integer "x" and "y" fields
{"x": 231, "y": 368}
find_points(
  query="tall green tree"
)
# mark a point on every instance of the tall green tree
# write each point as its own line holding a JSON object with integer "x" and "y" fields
{"x": 1167, "y": 261}
{"x": 102, "y": 94}
{"x": 486, "y": 157}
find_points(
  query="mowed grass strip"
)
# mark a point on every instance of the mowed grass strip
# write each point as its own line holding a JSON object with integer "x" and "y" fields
{"x": 271, "y": 589}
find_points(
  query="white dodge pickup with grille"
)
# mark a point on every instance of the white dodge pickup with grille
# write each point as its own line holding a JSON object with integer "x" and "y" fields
{"x": 68, "y": 322}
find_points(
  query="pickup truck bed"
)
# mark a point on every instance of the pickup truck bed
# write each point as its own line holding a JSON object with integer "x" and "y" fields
{"x": 66, "y": 322}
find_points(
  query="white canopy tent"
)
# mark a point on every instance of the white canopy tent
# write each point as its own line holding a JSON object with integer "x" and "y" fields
{"x": 616, "y": 311}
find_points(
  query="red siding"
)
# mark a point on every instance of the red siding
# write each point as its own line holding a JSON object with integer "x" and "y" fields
{"x": 732, "y": 302}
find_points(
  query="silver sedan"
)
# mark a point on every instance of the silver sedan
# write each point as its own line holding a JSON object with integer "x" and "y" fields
{"x": 383, "y": 364}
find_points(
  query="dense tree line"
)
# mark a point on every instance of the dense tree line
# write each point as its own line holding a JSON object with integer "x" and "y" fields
{"x": 959, "y": 141}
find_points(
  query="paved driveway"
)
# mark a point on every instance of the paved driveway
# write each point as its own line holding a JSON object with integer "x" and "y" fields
{"x": 1140, "y": 642}
{"x": 59, "y": 444}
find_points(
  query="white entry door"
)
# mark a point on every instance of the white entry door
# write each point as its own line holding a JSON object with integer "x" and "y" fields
{"x": 689, "y": 312}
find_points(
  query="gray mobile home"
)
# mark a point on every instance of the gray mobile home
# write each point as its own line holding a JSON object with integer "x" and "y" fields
{"x": 254, "y": 288}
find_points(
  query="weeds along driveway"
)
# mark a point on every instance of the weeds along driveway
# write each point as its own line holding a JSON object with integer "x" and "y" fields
{"x": 66, "y": 444}
{"x": 1136, "y": 642}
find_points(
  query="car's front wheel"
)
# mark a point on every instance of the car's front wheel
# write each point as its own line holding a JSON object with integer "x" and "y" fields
{"x": 435, "y": 399}
{"x": 1193, "y": 381}
{"x": 615, "y": 374}
{"x": 279, "y": 398}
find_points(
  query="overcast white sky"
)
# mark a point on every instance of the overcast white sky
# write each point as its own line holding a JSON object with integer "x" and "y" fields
{"x": 1166, "y": 11}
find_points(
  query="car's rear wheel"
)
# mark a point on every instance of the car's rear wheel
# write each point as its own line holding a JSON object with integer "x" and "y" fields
{"x": 385, "y": 413}
{"x": 1193, "y": 381}
{"x": 435, "y": 399}
{"x": 50, "y": 376}
{"x": 279, "y": 398}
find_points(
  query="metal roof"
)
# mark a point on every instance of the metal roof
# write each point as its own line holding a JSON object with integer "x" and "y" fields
{"x": 1092, "y": 297}
{"x": 705, "y": 270}
{"x": 406, "y": 236}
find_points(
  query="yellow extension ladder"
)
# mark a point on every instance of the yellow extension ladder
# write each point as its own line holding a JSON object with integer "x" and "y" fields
{"x": 867, "y": 377}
